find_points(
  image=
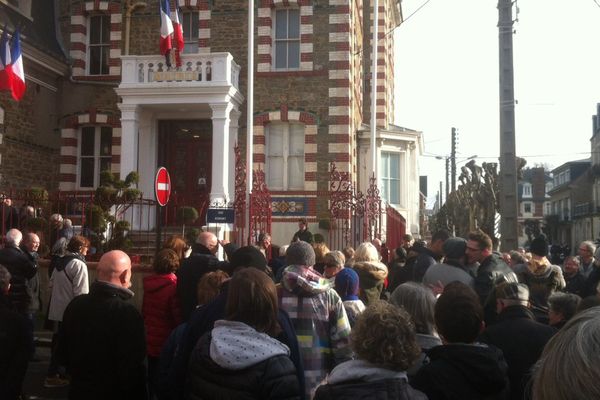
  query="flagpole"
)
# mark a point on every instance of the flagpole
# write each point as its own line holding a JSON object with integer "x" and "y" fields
{"x": 374, "y": 89}
{"x": 249, "y": 114}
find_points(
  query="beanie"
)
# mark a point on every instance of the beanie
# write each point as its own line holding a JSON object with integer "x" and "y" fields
{"x": 454, "y": 248}
{"x": 248, "y": 256}
{"x": 300, "y": 253}
{"x": 346, "y": 284}
{"x": 539, "y": 246}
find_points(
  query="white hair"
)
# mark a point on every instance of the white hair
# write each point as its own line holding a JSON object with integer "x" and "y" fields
{"x": 14, "y": 237}
{"x": 283, "y": 250}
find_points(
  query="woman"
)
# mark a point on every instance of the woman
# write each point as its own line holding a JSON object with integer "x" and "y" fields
{"x": 69, "y": 279}
{"x": 178, "y": 245}
{"x": 419, "y": 303}
{"x": 384, "y": 342}
{"x": 160, "y": 307}
{"x": 239, "y": 358}
{"x": 371, "y": 271}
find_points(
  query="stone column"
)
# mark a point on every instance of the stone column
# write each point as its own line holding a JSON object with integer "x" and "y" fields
{"x": 129, "y": 138}
{"x": 233, "y": 138}
{"x": 220, "y": 153}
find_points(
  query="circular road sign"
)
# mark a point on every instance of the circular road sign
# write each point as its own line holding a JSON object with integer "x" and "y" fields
{"x": 162, "y": 186}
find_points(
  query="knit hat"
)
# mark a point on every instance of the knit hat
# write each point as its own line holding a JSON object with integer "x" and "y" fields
{"x": 248, "y": 256}
{"x": 346, "y": 284}
{"x": 513, "y": 291}
{"x": 454, "y": 248}
{"x": 539, "y": 246}
{"x": 300, "y": 253}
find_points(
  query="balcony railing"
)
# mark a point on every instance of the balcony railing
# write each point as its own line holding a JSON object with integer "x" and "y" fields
{"x": 213, "y": 69}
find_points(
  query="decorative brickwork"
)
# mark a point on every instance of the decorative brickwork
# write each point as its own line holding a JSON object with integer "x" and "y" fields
{"x": 203, "y": 8}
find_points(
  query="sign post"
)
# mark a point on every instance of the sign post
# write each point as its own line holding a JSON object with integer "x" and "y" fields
{"x": 162, "y": 193}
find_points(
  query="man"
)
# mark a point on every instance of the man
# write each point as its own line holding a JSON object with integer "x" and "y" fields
{"x": 520, "y": 337}
{"x": 102, "y": 341}
{"x": 430, "y": 255}
{"x": 264, "y": 245}
{"x": 453, "y": 268}
{"x": 303, "y": 233}
{"x": 575, "y": 281}
{"x": 586, "y": 257}
{"x": 30, "y": 246}
{"x": 491, "y": 272}
{"x": 10, "y": 215}
{"x": 14, "y": 344}
{"x": 317, "y": 313}
{"x": 562, "y": 307}
{"x": 202, "y": 260}
{"x": 21, "y": 269}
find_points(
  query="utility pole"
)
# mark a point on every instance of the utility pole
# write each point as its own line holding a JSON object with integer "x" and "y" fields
{"x": 447, "y": 177}
{"x": 508, "y": 159}
{"x": 453, "y": 158}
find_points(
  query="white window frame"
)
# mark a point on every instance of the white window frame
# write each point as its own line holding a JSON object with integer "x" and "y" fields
{"x": 194, "y": 33}
{"x": 288, "y": 40}
{"x": 285, "y": 154}
{"x": 525, "y": 204}
{"x": 526, "y": 190}
{"x": 97, "y": 156}
{"x": 89, "y": 46}
{"x": 385, "y": 175}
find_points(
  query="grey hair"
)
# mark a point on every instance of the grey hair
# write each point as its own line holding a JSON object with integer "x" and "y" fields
{"x": 573, "y": 350}
{"x": 60, "y": 247}
{"x": 564, "y": 303}
{"x": 4, "y": 278}
{"x": 588, "y": 244}
{"x": 67, "y": 223}
{"x": 14, "y": 237}
{"x": 419, "y": 302}
{"x": 283, "y": 250}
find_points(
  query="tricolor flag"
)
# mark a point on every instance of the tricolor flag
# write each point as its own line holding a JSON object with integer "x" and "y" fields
{"x": 17, "y": 77}
{"x": 178, "y": 35}
{"x": 166, "y": 29}
{"x": 5, "y": 61}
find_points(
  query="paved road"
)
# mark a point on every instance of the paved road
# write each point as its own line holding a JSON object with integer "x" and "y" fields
{"x": 33, "y": 387}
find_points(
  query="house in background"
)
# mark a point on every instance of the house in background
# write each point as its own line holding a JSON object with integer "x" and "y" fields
{"x": 534, "y": 202}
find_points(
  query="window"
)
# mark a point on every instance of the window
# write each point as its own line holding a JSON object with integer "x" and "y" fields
{"x": 99, "y": 44}
{"x": 547, "y": 208}
{"x": 390, "y": 177}
{"x": 526, "y": 190}
{"x": 95, "y": 153}
{"x": 190, "y": 31}
{"x": 287, "y": 38}
{"x": 527, "y": 207}
{"x": 285, "y": 156}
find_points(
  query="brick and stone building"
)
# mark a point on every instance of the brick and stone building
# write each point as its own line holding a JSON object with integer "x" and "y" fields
{"x": 116, "y": 105}
{"x": 534, "y": 201}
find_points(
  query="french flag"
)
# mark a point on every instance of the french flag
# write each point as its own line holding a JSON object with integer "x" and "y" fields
{"x": 166, "y": 28}
{"x": 5, "y": 62}
{"x": 17, "y": 77}
{"x": 178, "y": 35}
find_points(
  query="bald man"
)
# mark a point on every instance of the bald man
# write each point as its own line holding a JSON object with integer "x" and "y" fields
{"x": 102, "y": 340}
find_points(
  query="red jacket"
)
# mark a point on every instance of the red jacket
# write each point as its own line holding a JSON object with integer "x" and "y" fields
{"x": 160, "y": 309}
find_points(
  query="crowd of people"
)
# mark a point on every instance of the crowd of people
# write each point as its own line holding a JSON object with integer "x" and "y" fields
{"x": 448, "y": 319}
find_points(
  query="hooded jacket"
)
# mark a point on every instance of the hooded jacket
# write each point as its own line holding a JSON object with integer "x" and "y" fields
{"x": 372, "y": 275}
{"x": 234, "y": 361}
{"x": 320, "y": 321}
{"x": 543, "y": 279}
{"x": 160, "y": 309}
{"x": 463, "y": 371}
{"x": 69, "y": 280}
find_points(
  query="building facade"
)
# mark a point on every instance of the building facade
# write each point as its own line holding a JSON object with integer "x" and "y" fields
{"x": 534, "y": 202}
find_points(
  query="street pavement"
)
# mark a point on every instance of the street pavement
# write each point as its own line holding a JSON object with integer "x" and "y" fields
{"x": 33, "y": 387}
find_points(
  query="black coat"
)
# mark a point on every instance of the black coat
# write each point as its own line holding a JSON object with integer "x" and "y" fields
{"x": 103, "y": 345}
{"x": 425, "y": 259}
{"x": 491, "y": 272}
{"x": 15, "y": 343}
{"x": 463, "y": 371}
{"x": 384, "y": 389}
{"x": 274, "y": 378}
{"x": 591, "y": 283}
{"x": 21, "y": 268}
{"x": 575, "y": 284}
{"x": 521, "y": 340}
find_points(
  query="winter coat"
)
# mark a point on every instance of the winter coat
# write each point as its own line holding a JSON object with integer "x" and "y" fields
{"x": 463, "y": 371}
{"x": 542, "y": 281}
{"x": 447, "y": 272}
{"x": 21, "y": 269}
{"x": 320, "y": 321}
{"x": 33, "y": 284}
{"x": 426, "y": 343}
{"x": 358, "y": 379}
{"x": 234, "y": 361}
{"x": 491, "y": 272}
{"x": 590, "y": 287}
{"x": 160, "y": 309}
{"x": 371, "y": 276}
{"x": 69, "y": 280}
{"x": 575, "y": 284}
{"x": 303, "y": 235}
{"x": 15, "y": 347}
{"x": 521, "y": 340}
{"x": 101, "y": 342}
{"x": 353, "y": 309}
{"x": 425, "y": 259}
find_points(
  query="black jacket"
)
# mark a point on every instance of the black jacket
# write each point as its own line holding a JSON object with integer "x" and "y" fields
{"x": 425, "y": 259}
{"x": 274, "y": 378}
{"x": 575, "y": 284}
{"x": 491, "y": 272}
{"x": 304, "y": 235}
{"x": 463, "y": 371}
{"x": 21, "y": 269}
{"x": 591, "y": 283}
{"x": 521, "y": 340}
{"x": 189, "y": 274}
{"x": 15, "y": 339}
{"x": 103, "y": 345}
{"x": 384, "y": 389}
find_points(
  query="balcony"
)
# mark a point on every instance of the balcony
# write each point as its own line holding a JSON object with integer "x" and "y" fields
{"x": 197, "y": 70}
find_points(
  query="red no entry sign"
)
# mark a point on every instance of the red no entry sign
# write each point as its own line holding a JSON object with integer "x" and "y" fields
{"x": 162, "y": 186}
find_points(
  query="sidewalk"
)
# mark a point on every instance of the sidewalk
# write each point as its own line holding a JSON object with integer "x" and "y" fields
{"x": 33, "y": 387}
